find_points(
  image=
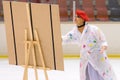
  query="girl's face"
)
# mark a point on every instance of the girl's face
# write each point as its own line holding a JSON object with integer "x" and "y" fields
{"x": 78, "y": 20}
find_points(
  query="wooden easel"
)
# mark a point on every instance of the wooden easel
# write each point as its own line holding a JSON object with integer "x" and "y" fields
{"x": 29, "y": 47}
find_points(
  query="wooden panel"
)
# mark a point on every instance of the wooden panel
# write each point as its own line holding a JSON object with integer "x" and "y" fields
{"x": 57, "y": 37}
{"x": 21, "y": 22}
{"x": 45, "y": 19}
{"x": 41, "y": 22}
{"x": 9, "y": 32}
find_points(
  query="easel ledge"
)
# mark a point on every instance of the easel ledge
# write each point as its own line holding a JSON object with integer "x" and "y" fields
{"x": 30, "y": 66}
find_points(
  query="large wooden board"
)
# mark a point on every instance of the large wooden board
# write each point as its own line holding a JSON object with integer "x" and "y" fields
{"x": 33, "y": 16}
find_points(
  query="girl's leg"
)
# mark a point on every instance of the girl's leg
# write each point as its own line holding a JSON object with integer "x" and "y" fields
{"x": 92, "y": 74}
{"x": 87, "y": 75}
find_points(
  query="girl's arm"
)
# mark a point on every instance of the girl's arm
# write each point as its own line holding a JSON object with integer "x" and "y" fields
{"x": 70, "y": 37}
{"x": 102, "y": 40}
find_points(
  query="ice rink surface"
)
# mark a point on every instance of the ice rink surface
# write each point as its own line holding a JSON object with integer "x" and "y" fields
{"x": 71, "y": 71}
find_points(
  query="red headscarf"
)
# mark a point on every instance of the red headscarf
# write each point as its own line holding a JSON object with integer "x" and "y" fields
{"x": 82, "y": 14}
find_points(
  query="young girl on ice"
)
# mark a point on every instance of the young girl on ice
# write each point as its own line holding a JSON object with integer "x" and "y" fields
{"x": 94, "y": 63}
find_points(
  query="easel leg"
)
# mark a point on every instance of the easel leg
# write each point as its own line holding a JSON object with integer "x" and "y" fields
{"x": 34, "y": 61}
{"x": 40, "y": 53}
{"x": 27, "y": 53}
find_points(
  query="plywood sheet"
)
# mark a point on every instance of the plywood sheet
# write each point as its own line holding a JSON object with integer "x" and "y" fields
{"x": 56, "y": 30}
{"x": 42, "y": 22}
{"x": 9, "y": 32}
{"x": 21, "y": 22}
{"x": 33, "y": 16}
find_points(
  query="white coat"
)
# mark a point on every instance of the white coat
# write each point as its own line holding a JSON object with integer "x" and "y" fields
{"x": 90, "y": 42}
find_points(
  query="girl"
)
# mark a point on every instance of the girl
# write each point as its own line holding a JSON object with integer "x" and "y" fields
{"x": 94, "y": 63}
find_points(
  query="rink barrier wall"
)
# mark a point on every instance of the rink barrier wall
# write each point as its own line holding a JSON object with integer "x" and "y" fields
{"x": 110, "y": 29}
{"x": 75, "y": 56}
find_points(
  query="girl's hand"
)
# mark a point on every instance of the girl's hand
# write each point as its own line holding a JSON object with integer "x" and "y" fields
{"x": 103, "y": 48}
